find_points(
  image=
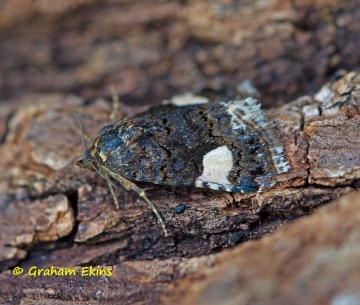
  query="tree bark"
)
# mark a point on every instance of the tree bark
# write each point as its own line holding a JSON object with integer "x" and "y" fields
{"x": 55, "y": 214}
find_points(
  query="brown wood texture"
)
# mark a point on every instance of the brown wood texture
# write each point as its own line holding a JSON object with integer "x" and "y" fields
{"x": 55, "y": 214}
{"x": 152, "y": 49}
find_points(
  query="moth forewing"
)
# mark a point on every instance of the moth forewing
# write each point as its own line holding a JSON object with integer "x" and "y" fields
{"x": 230, "y": 146}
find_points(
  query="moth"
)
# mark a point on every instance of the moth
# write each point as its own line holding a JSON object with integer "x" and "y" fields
{"x": 227, "y": 146}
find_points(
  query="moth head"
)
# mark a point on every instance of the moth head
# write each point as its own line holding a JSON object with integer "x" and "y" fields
{"x": 87, "y": 161}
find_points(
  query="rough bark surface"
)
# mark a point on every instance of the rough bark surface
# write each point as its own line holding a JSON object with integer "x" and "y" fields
{"x": 154, "y": 49}
{"x": 55, "y": 214}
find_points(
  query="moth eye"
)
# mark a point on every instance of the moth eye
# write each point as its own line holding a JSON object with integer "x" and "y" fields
{"x": 87, "y": 161}
{"x": 85, "y": 165}
{"x": 81, "y": 164}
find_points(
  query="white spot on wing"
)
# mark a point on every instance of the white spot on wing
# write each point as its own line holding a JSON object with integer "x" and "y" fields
{"x": 217, "y": 166}
{"x": 199, "y": 183}
{"x": 186, "y": 99}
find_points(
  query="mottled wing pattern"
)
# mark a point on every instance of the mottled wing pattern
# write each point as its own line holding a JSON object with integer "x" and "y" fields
{"x": 224, "y": 146}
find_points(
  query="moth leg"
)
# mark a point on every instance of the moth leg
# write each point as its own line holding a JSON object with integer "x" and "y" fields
{"x": 115, "y": 105}
{"x": 113, "y": 195}
{"x": 130, "y": 186}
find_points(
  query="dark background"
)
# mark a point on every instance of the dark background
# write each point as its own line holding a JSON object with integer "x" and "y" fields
{"x": 151, "y": 50}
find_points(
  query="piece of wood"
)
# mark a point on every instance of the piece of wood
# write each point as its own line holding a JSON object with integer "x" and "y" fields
{"x": 152, "y": 50}
{"x": 57, "y": 215}
{"x": 54, "y": 214}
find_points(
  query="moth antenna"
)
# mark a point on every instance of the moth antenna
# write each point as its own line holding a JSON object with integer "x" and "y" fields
{"x": 81, "y": 129}
{"x": 82, "y": 133}
{"x": 115, "y": 104}
{"x": 107, "y": 179}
